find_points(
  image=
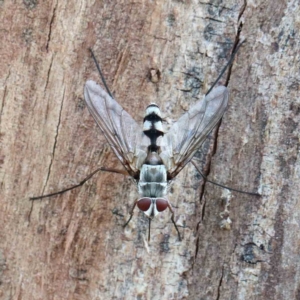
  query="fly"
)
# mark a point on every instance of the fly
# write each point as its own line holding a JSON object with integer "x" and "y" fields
{"x": 151, "y": 156}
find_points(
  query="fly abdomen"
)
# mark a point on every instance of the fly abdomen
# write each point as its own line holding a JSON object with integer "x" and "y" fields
{"x": 153, "y": 127}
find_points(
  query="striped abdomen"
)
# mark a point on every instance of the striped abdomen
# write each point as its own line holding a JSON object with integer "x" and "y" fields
{"x": 153, "y": 127}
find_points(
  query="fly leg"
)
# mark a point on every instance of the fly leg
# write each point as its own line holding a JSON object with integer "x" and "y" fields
{"x": 131, "y": 213}
{"x": 221, "y": 185}
{"x": 173, "y": 221}
{"x": 149, "y": 230}
{"x": 228, "y": 65}
{"x": 100, "y": 72}
{"x": 80, "y": 183}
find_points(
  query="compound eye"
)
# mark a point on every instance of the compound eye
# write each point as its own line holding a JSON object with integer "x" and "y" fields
{"x": 161, "y": 204}
{"x": 144, "y": 204}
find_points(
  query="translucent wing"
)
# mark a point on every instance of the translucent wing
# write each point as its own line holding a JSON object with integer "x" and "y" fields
{"x": 185, "y": 137}
{"x": 122, "y": 133}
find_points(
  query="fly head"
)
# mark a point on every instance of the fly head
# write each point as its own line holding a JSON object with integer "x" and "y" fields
{"x": 152, "y": 206}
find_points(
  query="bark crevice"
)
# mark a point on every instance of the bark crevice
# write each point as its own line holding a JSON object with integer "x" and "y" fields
{"x": 55, "y": 141}
{"x": 50, "y": 27}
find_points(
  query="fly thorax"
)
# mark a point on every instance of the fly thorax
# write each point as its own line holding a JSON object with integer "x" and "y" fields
{"x": 153, "y": 181}
{"x": 153, "y": 127}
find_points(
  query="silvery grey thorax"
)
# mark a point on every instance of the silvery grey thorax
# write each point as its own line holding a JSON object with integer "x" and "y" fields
{"x": 153, "y": 180}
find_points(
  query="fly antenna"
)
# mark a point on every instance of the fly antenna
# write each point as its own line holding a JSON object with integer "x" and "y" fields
{"x": 224, "y": 186}
{"x": 100, "y": 72}
{"x": 227, "y": 65}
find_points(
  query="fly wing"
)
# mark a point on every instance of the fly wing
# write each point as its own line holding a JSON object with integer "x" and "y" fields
{"x": 185, "y": 137}
{"x": 122, "y": 133}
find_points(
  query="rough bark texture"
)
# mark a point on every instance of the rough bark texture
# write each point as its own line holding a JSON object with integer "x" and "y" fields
{"x": 73, "y": 246}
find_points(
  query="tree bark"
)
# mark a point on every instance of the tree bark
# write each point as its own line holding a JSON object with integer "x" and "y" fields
{"x": 73, "y": 246}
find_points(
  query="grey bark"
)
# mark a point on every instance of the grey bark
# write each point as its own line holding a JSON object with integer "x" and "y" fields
{"x": 73, "y": 246}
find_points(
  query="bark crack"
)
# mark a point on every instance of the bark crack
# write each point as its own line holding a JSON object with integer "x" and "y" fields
{"x": 217, "y": 6}
{"x": 56, "y": 135}
{"x": 210, "y": 18}
{"x": 4, "y": 96}
{"x": 48, "y": 74}
{"x": 3, "y": 104}
{"x": 242, "y": 10}
{"x": 220, "y": 284}
{"x": 55, "y": 141}
{"x": 50, "y": 26}
{"x": 53, "y": 154}
{"x": 236, "y": 43}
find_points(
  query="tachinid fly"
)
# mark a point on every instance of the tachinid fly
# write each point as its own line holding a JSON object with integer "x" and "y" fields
{"x": 151, "y": 156}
